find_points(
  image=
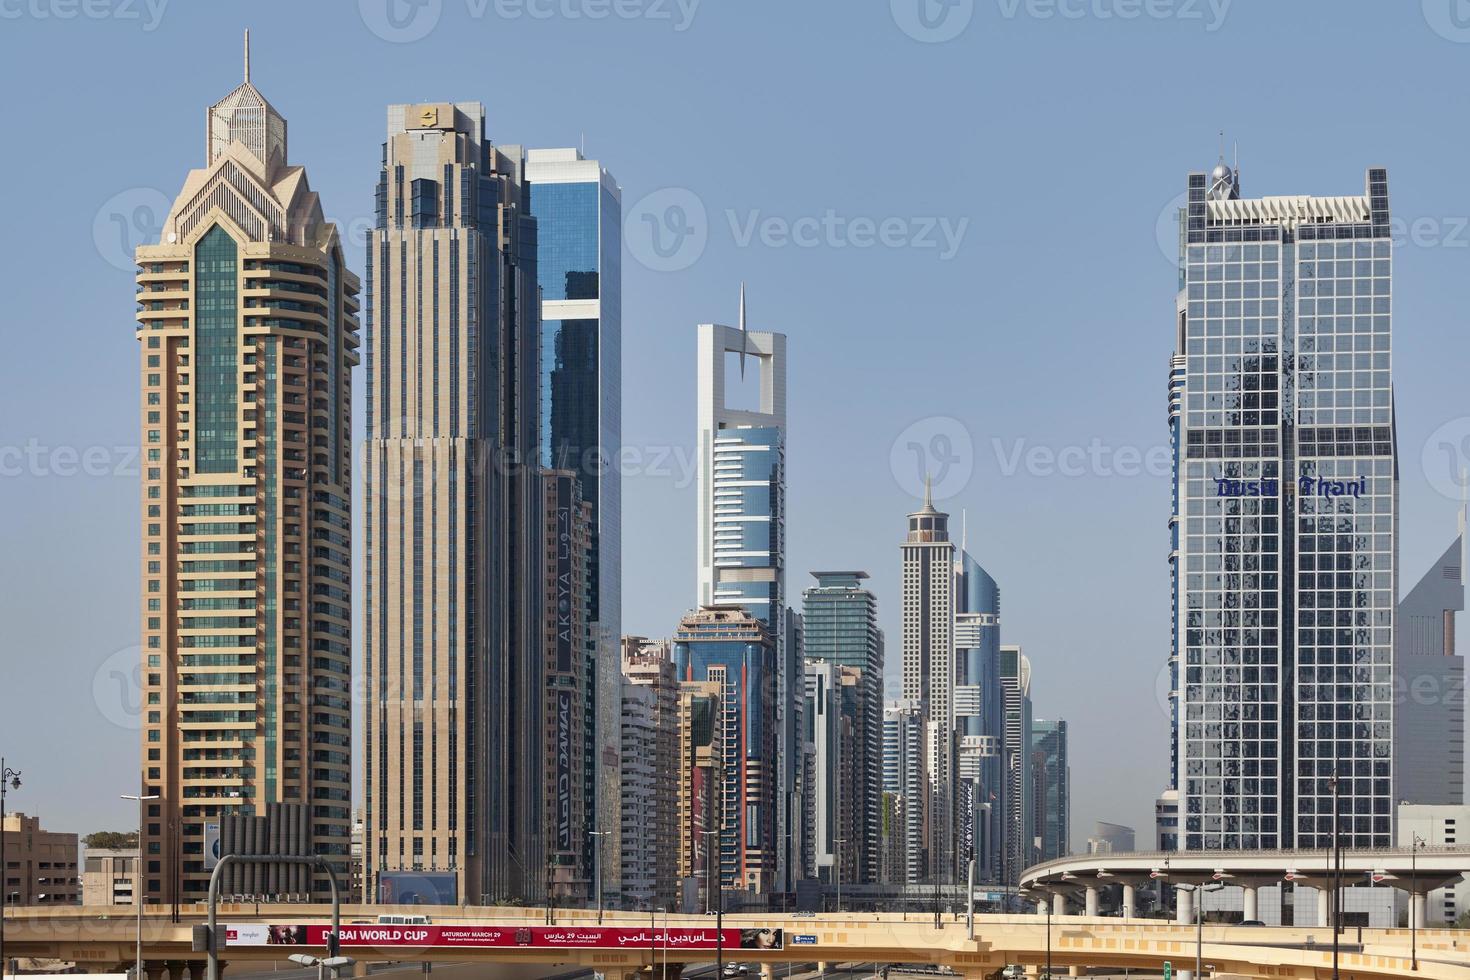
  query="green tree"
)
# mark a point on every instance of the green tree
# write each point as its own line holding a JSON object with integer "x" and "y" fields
{"x": 111, "y": 839}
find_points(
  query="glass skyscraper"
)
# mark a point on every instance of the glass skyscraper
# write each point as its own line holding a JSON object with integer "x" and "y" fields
{"x": 578, "y": 210}
{"x": 1051, "y": 776}
{"x": 840, "y": 626}
{"x": 1285, "y": 525}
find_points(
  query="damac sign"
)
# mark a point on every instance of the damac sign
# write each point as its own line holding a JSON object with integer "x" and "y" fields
{"x": 1307, "y": 486}
{"x": 495, "y": 937}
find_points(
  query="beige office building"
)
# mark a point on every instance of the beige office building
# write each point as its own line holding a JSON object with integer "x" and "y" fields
{"x": 40, "y": 865}
{"x": 455, "y": 679}
{"x": 109, "y": 875}
{"x": 247, "y": 326}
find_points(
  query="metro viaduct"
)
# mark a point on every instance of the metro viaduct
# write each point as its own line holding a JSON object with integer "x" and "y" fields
{"x": 101, "y": 939}
{"x": 1416, "y": 871}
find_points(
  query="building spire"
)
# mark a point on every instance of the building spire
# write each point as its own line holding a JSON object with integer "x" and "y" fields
{"x": 742, "y": 329}
{"x": 928, "y": 491}
{"x": 247, "y": 54}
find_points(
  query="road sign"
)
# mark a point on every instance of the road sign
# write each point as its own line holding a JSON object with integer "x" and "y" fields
{"x": 1168, "y": 970}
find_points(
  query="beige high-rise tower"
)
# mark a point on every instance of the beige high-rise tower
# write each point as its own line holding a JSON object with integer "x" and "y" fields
{"x": 247, "y": 324}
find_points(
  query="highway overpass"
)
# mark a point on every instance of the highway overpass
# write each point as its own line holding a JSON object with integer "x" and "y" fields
{"x": 100, "y": 939}
{"x": 1416, "y": 872}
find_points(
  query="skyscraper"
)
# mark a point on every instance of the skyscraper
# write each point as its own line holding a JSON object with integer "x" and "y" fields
{"x": 734, "y": 649}
{"x": 569, "y": 745}
{"x": 905, "y": 791}
{"x": 454, "y": 719}
{"x": 1015, "y": 680}
{"x": 578, "y": 210}
{"x": 840, "y": 626}
{"x": 1285, "y": 525}
{"x": 741, "y": 533}
{"x": 1429, "y": 683}
{"x": 929, "y": 678}
{"x": 979, "y": 720}
{"x": 247, "y": 331}
{"x": 1052, "y": 779}
{"x": 655, "y": 840}
{"x": 832, "y": 724}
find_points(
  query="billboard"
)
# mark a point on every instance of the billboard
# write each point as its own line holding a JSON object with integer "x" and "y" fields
{"x": 564, "y": 581}
{"x": 417, "y": 888}
{"x": 211, "y": 845}
{"x": 503, "y": 937}
{"x": 563, "y": 770}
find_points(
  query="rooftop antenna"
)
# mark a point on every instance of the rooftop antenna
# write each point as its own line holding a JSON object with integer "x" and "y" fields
{"x": 928, "y": 491}
{"x": 964, "y": 528}
{"x": 1237, "y": 168}
{"x": 247, "y": 54}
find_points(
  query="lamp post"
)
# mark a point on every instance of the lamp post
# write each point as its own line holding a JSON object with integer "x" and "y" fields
{"x": 709, "y": 894}
{"x": 138, "y": 880}
{"x": 838, "y": 866}
{"x": 1199, "y": 927}
{"x": 9, "y": 778}
{"x": 1414, "y": 901}
{"x": 1336, "y": 784}
{"x": 597, "y": 860}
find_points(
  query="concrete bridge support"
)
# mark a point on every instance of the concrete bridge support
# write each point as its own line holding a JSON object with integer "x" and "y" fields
{"x": 1252, "y": 902}
{"x": 1184, "y": 906}
{"x": 1130, "y": 901}
{"x": 1416, "y": 909}
{"x": 1061, "y": 903}
{"x": 1091, "y": 900}
{"x": 1324, "y": 897}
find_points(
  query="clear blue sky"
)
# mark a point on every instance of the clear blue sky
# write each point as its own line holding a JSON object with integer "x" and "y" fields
{"x": 1048, "y": 137}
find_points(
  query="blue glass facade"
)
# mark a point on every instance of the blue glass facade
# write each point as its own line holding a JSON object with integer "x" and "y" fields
{"x": 748, "y": 523}
{"x": 729, "y": 647}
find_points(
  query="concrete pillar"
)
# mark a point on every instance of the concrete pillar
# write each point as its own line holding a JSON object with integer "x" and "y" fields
{"x": 1252, "y": 903}
{"x": 1130, "y": 902}
{"x": 196, "y": 969}
{"x": 1075, "y": 971}
{"x": 1041, "y": 907}
{"x": 154, "y": 969}
{"x": 1061, "y": 908}
{"x": 768, "y": 970}
{"x": 1323, "y": 913}
{"x": 1416, "y": 909}
{"x": 1091, "y": 906}
{"x": 175, "y": 970}
{"x": 1183, "y": 907}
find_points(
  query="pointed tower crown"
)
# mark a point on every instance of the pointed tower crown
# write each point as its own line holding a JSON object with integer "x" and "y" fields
{"x": 245, "y": 116}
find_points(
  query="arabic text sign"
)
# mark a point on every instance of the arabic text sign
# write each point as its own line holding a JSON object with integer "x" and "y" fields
{"x": 489, "y": 936}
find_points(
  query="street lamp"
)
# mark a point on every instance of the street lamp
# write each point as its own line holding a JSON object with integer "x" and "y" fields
{"x": 1199, "y": 926}
{"x": 838, "y": 866}
{"x": 8, "y": 778}
{"x": 597, "y": 860}
{"x": 1336, "y": 784}
{"x": 1414, "y": 901}
{"x": 138, "y": 880}
{"x": 322, "y": 963}
{"x": 709, "y": 895}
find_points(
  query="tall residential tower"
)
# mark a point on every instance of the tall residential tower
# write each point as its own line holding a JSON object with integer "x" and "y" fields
{"x": 247, "y": 330}
{"x": 741, "y": 534}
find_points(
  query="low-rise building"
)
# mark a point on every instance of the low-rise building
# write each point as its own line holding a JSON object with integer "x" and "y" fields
{"x": 40, "y": 865}
{"x": 109, "y": 875}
